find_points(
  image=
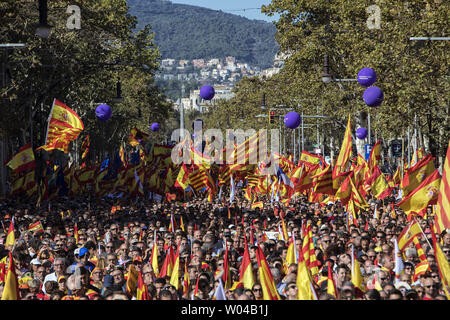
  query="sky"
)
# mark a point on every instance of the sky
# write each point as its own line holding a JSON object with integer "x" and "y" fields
{"x": 246, "y": 8}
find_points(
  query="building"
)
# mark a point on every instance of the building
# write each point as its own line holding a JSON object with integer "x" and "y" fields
{"x": 196, "y": 102}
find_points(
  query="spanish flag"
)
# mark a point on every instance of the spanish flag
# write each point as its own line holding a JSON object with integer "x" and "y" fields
{"x": 23, "y": 160}
{"x": 246, "y": 273}
{"x": 407, "y": 235}
{"x": 64, "y": 126}
{"x": 186, "y": 280}
{"x": 142, "y": 290}
{"x": 331, "y": 285}
{"x": 266, "y": 279}
{"x": 375, "y": 156}
{"x": 425, "y": 194}
{"x": 11, "y": 288}
{"x": 167, "y": 267}
{"x": 257, "y": 204}
{"x": 442, "y": 215}
{"x": 10, "y": 238}
{"x": 37, "y": 226}
{"x": 305, "y": 288}
{"x": 154, "y": 257}
{"x": 421, "y": 268}
{"x": 378, "y": 184}
{"x": 175, "y": 276}
{"x": 414, "y": 176}
{"x": 75, "y": 233}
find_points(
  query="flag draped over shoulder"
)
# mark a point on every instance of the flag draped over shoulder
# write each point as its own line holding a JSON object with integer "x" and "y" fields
{"x": 22, "y": 160}
{"x": 64, "y": 126}
{"x": 442, "y": 215}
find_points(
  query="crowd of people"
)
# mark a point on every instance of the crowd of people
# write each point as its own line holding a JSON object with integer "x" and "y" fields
{"x": 85, "y": 249}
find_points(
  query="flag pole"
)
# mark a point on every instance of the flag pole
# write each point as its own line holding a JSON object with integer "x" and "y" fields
{"x": 424, "y": 235}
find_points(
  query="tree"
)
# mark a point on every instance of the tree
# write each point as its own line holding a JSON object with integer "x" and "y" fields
{"x": 79, "y": 67}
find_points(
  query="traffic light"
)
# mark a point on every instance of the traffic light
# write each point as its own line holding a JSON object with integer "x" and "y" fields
{"x": 271, "y": 116}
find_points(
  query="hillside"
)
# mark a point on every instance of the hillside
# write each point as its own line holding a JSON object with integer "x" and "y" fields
{"x": 191, "y": 32}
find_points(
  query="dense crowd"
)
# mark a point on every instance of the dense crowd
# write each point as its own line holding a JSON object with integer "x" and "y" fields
{"x": 55, "y": 264}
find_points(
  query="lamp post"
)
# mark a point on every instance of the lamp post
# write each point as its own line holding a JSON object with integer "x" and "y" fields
{"x": 43, "y": 28}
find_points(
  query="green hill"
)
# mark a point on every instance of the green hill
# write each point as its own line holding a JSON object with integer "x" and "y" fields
{"x": 191, "y": 32}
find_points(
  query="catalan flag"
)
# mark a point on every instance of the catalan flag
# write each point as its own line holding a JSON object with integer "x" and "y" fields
{"x": 420, "y": 253}
{"x": 323, "y": 181}
{"x": 64, "y": 126}
{"x": 344, "y": 154}
{"x": 23, "y": 160}
{"x": 182, "y": 180}
{"x": 442, "y": 215}
{"x": 425, "y": 194}
{"x": 137, "y": 137}
{"x": 10, "y": 237}
{"x": 85, "y": 147}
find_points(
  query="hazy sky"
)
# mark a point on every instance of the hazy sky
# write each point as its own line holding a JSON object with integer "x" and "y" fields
{"x": 246, "y": 8}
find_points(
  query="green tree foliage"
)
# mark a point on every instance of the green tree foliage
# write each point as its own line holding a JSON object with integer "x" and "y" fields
{"x": 414, "y": 76}
{"x": 79, "y": 67}
{"x": 191, "y": 32}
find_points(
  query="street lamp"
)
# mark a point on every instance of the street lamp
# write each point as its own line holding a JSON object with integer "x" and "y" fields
{"x": 43, "y": 28}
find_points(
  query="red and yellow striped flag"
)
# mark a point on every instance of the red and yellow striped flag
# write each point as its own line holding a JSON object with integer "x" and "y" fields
{"x": 64, "y": 126}
{"x": 175, "y": 276}
{"x": 443, "y": 265}
{"x": 425, "y": 194}
{"x": 85, "y": 147}
{"x": 37, "y": 226}
{"x": 414, "y": 176}
{"x": 245, "y": 273}
{"x": 11, "y": 288}
{"x": 407, "y": 235}
{"x": 142, "y": 290}
{"x": 167, "y": 267}
{"x": 154, "y": 257}
{"x": 375, "y": 156}
{"x": 344, "y": 154}
{"x": 268, "y": 286}
{"x": 75, "y": 233}
{"x": 378, "y": 184}
{"x": 421, "y": 268}
{"x": 22, "y": 160}
{"x": 331, "y": 285}
{"x": 442, "y": 215}
{"x": 305, "y": 288}
{"x": 419, "y": 249}
{"x": 186, "y": 280}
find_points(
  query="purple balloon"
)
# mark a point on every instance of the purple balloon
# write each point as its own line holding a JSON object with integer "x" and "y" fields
{"x": 103, "y": 112}
{"x": 361, "y": 133}
{"x": 366, "y": 77}
{"x": 292, "y": 120}
{"x": 155, "y": 126}
{"x": 373, "y": 96}
{"x": 207, "y": 92}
